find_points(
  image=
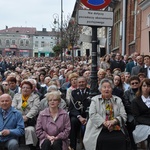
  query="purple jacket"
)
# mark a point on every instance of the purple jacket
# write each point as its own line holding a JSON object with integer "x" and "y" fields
{"x": 60, "y": 127}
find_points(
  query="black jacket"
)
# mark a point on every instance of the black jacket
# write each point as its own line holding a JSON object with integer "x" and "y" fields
{"x": 79, "y": 103}
{"x": 140, "y": 111}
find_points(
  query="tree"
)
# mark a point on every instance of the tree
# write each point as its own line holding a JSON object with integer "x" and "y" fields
{"x": 57, "y": 50}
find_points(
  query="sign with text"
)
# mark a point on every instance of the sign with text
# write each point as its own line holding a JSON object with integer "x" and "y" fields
{"x": 95, "y": 18}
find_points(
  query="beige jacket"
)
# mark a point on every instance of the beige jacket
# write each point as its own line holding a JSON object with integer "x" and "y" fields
{"x": 97, "y": 116}
{"x": 33, "y": 105}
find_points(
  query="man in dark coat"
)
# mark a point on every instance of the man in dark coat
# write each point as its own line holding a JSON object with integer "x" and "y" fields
{"x": 79, "y": 104}
{"x": 133, "y": 63}
{"x": 117, "y": 63}
{"x": 146, "y": 68}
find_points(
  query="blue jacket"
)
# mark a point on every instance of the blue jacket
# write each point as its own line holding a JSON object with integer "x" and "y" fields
{"x": 129, "y": 66}
{"x": 14, "y": 122}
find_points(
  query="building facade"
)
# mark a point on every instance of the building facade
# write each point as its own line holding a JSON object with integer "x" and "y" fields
{"x": 17, "y": 41}
{"x": 131, "y": 27}
{"x": 145, "y": 27}
{"x": 27, "y": 42}
{"x": 43, "y": 43}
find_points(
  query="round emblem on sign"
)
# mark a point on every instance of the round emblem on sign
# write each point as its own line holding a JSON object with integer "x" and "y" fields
{"x": 96, "y": 4}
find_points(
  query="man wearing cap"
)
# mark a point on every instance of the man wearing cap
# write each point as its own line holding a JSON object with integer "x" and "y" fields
{"x": 11, "y": 124}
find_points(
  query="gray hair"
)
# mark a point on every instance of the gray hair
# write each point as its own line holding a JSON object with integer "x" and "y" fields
{"x": 52, "y": 88}
{"x": 127, "y": 73}
{"x": 104, "y": 81}
{"x": 33, "y": 81}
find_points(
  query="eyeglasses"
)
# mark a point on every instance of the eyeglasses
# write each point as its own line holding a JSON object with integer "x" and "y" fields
{"x": 134, "y": 83}
{"x": 5, "y": 84}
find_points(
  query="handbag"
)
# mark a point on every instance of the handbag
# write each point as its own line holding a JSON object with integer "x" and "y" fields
{"x": 127, "y": 137}
{"x": 31, "y": 121}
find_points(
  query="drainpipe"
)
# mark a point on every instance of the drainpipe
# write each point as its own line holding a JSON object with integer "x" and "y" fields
{"x": 124, "y": 28}
{"x": 107, "y": 37}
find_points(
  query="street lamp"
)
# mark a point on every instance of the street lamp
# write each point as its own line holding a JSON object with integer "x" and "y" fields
{"x": 56, "y": 21}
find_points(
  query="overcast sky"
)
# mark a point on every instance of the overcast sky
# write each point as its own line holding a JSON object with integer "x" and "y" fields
{"x": 33, "y": 13}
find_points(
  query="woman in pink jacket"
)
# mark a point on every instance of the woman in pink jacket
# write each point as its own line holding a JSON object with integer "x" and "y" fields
{"x": 53, "y": 125}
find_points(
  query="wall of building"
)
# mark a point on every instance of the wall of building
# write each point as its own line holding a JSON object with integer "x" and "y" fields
{"x": 145, "y": 32}
{"x": 47, "y": 48}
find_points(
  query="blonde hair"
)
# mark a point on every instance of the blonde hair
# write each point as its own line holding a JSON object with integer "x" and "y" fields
{"x": 101, "y": 71}
{"x": 52, "y": 94}
{"x": 73, "y": 75}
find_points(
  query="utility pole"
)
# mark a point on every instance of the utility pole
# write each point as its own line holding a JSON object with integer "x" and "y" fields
{"x": 61, "y": 51}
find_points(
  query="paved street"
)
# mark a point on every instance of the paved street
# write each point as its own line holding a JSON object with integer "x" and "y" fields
{"x": 23, "y": 147}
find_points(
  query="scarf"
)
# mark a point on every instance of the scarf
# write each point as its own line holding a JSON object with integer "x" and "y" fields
{"x": 110, "y": 113}
{"x": 24, "y": 101}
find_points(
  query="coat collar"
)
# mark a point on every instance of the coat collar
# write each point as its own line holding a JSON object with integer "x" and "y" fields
{"x": 112, "y": 99}
{"x": 46, "y": 112}
{"x": 11, "y": 110}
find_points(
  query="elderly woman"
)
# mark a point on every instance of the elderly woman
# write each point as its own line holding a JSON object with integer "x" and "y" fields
{"x": 73, "y": 81}
{"x": 53, "y": 125}
{"x": 141, "y": 112}
{"x": 28, "y": 103}
{"x": 44, "y": 103}
{"x": 104, "y": 128}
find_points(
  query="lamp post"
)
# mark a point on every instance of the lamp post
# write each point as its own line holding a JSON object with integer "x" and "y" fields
{"x": 61, "y": 51}
{"x": 56, "y": 21}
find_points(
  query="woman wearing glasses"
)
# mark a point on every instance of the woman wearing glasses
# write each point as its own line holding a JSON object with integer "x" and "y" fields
{"x": 141, "y": 112}
{"x": 53, "y": 125}
{"x": 28, "y": 103}
{"x": 129, "y": 95}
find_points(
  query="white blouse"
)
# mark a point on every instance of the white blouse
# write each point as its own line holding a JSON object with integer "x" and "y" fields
{"x": 146, "y": 100}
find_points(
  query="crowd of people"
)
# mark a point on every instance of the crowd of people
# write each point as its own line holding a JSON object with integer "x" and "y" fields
{"x": 48, "y": 102}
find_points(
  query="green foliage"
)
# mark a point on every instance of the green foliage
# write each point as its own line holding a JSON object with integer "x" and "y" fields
{"x": 57, "y": 50}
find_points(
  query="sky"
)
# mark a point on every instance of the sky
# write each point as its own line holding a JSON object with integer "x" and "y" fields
{"x": 33, "y": 13}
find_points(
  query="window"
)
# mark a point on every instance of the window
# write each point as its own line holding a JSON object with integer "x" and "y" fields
{"x": 36, "y": 43}
{"x": 7, "y": 43}
{"x": 27, "y": 42}
{"x": 21, "y": 43}
{"x": 0, "y": 42}
{"x": 148, "y": 20}
{"x": 51, "y": 44}
{"x": 117, "y": 28}
{"x": 42, "y": 44}
{"x": 13, "y": 42}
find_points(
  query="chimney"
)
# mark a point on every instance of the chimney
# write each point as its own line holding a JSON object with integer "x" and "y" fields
{"x": 53, "y": 29}
{"x": 6, "y": 27}
{"x": 44, "y": 29}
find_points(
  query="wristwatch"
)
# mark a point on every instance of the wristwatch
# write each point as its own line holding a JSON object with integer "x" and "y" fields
{"x": 78, "y": 116}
